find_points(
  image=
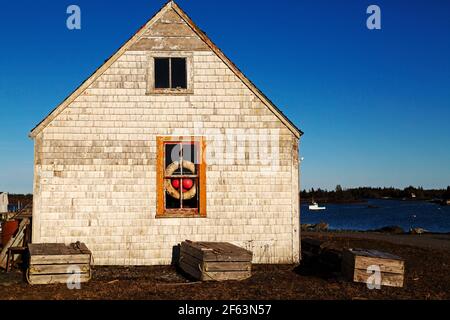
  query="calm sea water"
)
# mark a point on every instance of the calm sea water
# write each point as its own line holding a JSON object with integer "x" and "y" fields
{"x": 405, "y": 214}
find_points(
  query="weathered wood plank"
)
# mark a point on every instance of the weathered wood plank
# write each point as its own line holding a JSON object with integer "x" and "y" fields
{"x": 170, "y": 44}
{"x": 58, "y": 268}
{"x": 210, "y": 256}
{"x": 221, "y": 247}
{"x": 59, "y": 253}
{"x": 45, "y": 248}
{"x": 227, "y": 266}
{"x": 169, "y": 30}
{"x": 187, "y": 256}
{"x": 390, "y": 264}
{"x": 15, "y": 241}
{"x": 374, "y": 254}
{"x": 191, "y": 265}
{"x": 217, "y": 261}
{"x": 355, "y": 263}
{"x": 61, "y": 259}
{"x": 194, "y": 252}
{"x": 190, "y": 270}
{"x": 214, "y": 251}
{"x": 387, "y": 279}
{"x": 57, "y": 249}
{"x": 213, "y": 276}
{"x": 34, "y": 279}
{"x": 58, "y": 263}
{"x": 170, "y": 16}
{"x": 215, "y": 266}
{"x": 223, "y": 276}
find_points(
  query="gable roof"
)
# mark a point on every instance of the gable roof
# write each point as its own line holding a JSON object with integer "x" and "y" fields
{"x": 169, "y": 5}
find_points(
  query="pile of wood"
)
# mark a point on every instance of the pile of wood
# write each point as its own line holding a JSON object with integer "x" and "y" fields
{"x": 58, "y": 263}
{"x": 358, "y": 263}
{"x": 215, "y": 261}
{"x": 20, "y": 238}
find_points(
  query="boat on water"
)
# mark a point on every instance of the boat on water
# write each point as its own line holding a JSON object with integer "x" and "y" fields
{"x": 315, "y": 207}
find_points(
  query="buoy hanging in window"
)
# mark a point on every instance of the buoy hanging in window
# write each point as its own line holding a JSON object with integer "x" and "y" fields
{"x": 189, "y": 186}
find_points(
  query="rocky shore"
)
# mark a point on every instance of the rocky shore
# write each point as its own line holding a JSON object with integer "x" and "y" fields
{"x": 325, "y": 227}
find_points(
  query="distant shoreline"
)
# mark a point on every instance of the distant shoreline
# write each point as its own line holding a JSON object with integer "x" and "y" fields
{"x": 365, "y": 201}
{"x": 379, "y": 232}
{"x": 327, "y": 201}
{"x": 342, "y": 195}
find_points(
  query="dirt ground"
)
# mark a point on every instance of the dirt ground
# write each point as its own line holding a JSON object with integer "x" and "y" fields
{"x": 427, "y": 277}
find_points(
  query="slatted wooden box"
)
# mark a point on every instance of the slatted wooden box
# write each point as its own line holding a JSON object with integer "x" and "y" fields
{"x": 215, "y": 261}
{"x": 57, "y": 263}
{"x": 355, "y": 264}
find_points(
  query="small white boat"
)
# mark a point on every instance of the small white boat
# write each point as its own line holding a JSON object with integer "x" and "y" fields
{"x": 315, "y": 207}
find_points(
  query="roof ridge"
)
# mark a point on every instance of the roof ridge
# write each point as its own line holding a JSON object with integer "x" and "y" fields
{"x": 171, "y": 4}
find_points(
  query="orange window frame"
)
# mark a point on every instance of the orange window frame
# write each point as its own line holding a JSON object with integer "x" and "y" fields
{"x": 161, "y": 211}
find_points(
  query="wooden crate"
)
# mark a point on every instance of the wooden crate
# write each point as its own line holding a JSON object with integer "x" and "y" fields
{"x": 356, "y": 261}
{"x": 215, "y": 261}
{"x": 57, "y": 263}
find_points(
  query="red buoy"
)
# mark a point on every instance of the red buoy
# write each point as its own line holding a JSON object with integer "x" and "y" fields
{"x": 176, "y": 183}
{"x": 187, "y": 184}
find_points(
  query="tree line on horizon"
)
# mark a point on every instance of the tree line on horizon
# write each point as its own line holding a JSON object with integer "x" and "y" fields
{"x": 340, "y": 194}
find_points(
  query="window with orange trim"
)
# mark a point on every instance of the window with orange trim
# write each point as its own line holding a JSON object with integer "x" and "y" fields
{"x": 181, "y": 177}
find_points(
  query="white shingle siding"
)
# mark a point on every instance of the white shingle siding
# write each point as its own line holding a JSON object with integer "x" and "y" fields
{"x": 95, "y": 169}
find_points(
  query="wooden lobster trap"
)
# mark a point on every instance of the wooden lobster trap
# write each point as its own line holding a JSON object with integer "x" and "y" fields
{"x": 58, "y": 263}
{"x": 358, "y": 265}
{"x": 215, "y": 261}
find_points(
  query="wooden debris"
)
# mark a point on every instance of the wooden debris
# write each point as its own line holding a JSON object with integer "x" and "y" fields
{"x": 57, "y": 263}
{"x": 12, "y": 252}
{"x": 15, "y": 241}
{"x": 355, "y": 263}
{"x": 217, "y": 261}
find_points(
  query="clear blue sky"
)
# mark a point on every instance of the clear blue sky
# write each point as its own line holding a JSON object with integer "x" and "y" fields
{"x": 374, "y": 105}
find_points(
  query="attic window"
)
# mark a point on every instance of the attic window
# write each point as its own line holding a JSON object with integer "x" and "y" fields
{"x": 170, "y": 73}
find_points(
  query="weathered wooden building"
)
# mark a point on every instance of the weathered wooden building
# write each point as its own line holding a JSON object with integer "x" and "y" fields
{"x": 3, "y": 202}
{"x": 167, "y": 141}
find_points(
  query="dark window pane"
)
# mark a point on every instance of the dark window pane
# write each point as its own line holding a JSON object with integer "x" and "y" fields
{"x": 190, "y": 152}
{"x": 172, "y": 203}
{"x": 192, "y": 203}
{"x": 173, "y": 153}
{"x": 162, "y": 73}
{"x": 179, "y": 79}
